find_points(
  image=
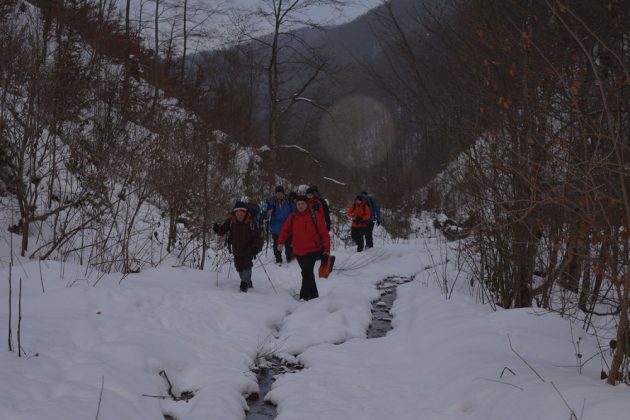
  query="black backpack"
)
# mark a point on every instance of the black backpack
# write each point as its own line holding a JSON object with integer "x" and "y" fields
{"x": 326, "y": 212}
{"x": 254, "y": 210}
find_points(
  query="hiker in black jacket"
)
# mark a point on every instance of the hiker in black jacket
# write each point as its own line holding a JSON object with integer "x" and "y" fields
{"x": 246, "y": 241}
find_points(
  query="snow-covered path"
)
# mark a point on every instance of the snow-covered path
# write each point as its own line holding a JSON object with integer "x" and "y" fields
{"x": 442, "y": 360}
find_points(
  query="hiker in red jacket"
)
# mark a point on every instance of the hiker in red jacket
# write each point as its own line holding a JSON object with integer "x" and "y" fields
{"x": 310, "y": 240}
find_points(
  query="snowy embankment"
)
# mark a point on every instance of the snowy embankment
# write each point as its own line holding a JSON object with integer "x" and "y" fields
{"x": 442, "y": 360}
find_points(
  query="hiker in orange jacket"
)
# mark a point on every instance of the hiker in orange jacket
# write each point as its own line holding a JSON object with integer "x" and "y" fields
{"x": 359, "y": 212}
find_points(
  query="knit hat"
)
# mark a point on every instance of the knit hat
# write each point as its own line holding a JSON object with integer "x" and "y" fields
{"x": 279, "y": 188}
{"x": 240, "y": 206}
{"x": 301, "y": 198}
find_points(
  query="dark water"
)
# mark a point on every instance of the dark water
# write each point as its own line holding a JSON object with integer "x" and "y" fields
{"x": 258, "y": 408}
{"x": 381, "y": 324}
{"x": 381, "y": 317}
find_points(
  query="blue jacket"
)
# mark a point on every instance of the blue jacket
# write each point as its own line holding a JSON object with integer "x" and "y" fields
{"x": 280, "y": 211}
{"x": 375, "y": 209}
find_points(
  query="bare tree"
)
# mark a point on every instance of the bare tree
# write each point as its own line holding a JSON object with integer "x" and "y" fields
{"x": 292, "y": 65}
{"x": 40, "y": 101}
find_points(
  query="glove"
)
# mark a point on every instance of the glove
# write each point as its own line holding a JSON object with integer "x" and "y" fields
{"x": 215, "y": 228}
{"x": 378, "y": 223}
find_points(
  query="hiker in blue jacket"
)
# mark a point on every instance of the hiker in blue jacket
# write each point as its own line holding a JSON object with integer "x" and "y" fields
{"x": 375, "y": 217}
{"x": 278, "y": 210}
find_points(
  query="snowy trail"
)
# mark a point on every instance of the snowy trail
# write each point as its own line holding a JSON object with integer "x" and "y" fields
{"x": 261, "y": 409}
{"x": 442, "y": 360}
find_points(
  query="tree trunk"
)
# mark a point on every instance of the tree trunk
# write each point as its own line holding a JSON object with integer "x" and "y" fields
{"x": 156, "y": 58}
{"x": 185, "y": 41}
{"x": 623, "y": 332}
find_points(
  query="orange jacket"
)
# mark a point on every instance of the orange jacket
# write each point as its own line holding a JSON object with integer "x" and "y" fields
{"x": 360, "y": 214}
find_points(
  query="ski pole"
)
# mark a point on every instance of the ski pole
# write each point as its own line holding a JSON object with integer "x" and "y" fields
{"x": 269, "y": 278}
{"x": 266, "y": 236}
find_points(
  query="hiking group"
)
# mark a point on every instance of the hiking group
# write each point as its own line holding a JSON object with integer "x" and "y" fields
{"x": 299, "y": 225}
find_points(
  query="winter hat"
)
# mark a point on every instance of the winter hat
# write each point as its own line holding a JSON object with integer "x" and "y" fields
{"x": 301, "y": 198}
{"x": 279, "y": 188}
{"x": 315, "y": 189}
{"x": 240, "y": 206}
{"x": 310, "y": 190}
{"x": 360, "y": 198}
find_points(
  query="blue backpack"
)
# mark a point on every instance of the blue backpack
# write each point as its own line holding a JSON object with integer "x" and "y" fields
{"x": 375, "y": 210}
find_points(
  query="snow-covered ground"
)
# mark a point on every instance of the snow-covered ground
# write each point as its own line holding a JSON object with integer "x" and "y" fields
{"x": 87, "y": 339}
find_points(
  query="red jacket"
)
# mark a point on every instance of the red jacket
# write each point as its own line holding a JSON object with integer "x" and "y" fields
{"x": 308, "y": 235}
{"x": 360, "y": 214}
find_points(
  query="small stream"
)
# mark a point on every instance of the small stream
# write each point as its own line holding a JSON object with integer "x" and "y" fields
{"x": 380, "y": 325}
{"x": 258, "y": 408}
{"x": 381, "y": 308}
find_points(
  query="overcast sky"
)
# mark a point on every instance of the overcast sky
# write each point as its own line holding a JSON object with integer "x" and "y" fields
{"x": 214, "y": 20}
{"x": 324, "y": 14}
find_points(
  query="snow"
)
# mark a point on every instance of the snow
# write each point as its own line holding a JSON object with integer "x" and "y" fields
{"x": 334, "y": 181}
{"x": 444, "y": 359}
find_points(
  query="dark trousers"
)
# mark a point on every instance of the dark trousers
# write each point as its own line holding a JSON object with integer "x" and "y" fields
{"x": 369, "y": 240}
{"x": 357, "y": 236}
{"x": 307, "y": 264}
{"x": 287, "y": 248}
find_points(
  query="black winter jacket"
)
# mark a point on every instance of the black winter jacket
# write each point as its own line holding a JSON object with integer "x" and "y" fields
{"x": 246, "y": 240}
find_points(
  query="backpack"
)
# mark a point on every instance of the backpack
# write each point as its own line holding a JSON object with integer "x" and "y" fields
{"x": 313, "y": 217}
{"x": 370, "y": 203}
{"x": 254, "y": 210}
{"x": 326, "y": 212}
{"x": 375, "y": 210}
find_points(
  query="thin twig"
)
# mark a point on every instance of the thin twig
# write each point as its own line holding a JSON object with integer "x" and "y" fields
{"x": 501, "y": 382}
{"x": 508, "y": 369}
{"x": 100, "y": 397}
{"x": 10, "y": 308}
{"x": 170, "y": 385}
{"x": 19, "y": 330}
{"x": 41, "y": 276}
{"x": 163, "y": 397}
{"x": 524, "y": 361}
{"x": 573, "y": 415}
